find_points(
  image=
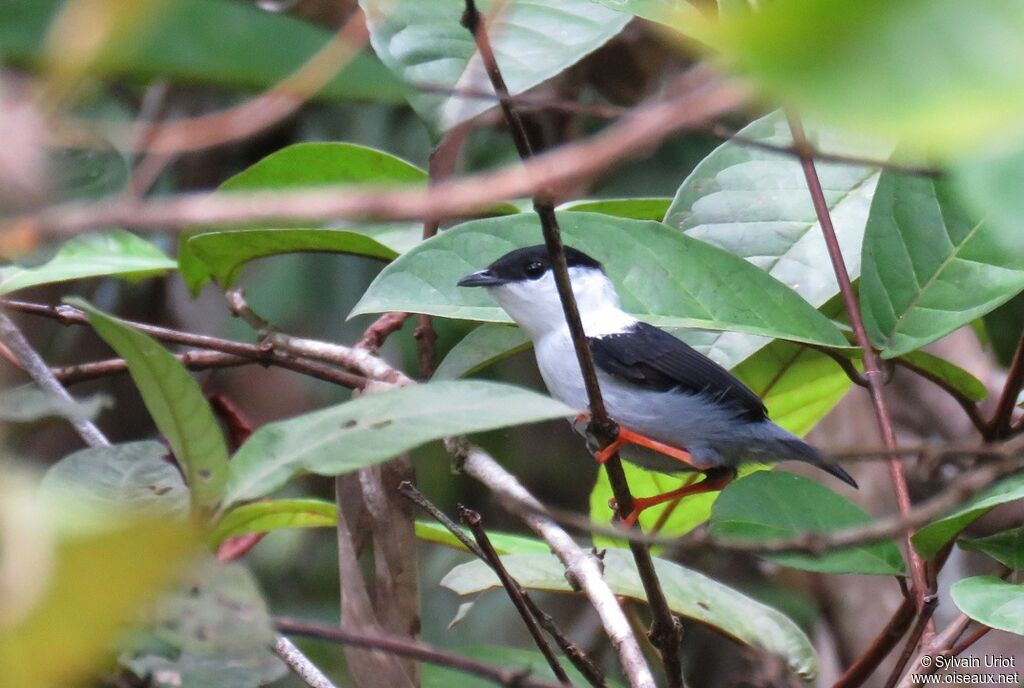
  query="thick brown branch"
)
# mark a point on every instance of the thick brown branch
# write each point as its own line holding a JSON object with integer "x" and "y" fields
{"x": 404, "y": 647}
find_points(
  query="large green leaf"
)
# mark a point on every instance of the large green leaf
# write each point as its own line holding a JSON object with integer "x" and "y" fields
{"x": 991, "y": 601}
{"x": 676, "y": 14}
{"x": 774, "y": 504}
{"x": 755, "y": 203}
{"x": 798, "y": 385}
{"x": 662, "y": 276}
{"x": 29, "y": 403}
{"x": 221, "y": 254}
{"x": 136, "y": 477}
{"x": 928, "y": 266}
{"x": 932, "y": 537}
{"x": 1006, "y": 547}
{"x": 940, "y": 75}
{"x": 212, "y": 631}
{"x": 950, "y": 373}
{"x": 483, "y": 347}
{"x": 374, "y": 428}
{"x": 205, "y": 42}
{"x": 424, "y": 43}
{"x": 989, "y": 184}
{"x": 634, "y": 208}
{"x": 175, "y": 402}
{"x": 274, "y": 514}
{"x": 504, "y": 543}
{"x": 76, "y": 578}
{"x": 688, "y": 593}
{"x": 113, "y": 253}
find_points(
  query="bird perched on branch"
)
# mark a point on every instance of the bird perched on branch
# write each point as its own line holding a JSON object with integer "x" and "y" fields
{"x": 677, "y": 410}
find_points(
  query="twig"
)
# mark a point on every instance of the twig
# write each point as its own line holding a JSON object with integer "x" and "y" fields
{"x": 967, "y": 642}
{"x": 382, "y": 328}
{"x": 581, "y": 567}
{"x": 880, "y": 647}
{"x": 300, "y": 664}
{"x": 666, "y": 631}
{"x": 40, "y": 372}
{"x": 473, "y": 521}
{"x": 527, "y": 100}
{"x": 583, "y": 663}
{"x": 924, "y": 616}
{"x": 193, "y": 360}
{"x": 999, "y": 427}
{"x": 68, "y": 315}
{"x": 872, "y": 370}
{"x": 404, "y": 647}
{"x": 570, "y": 163}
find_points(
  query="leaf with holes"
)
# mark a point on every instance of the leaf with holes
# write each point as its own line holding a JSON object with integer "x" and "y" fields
{"x": 662, "y": 276}
{"x": 1006, "y": 547}
{"x": 754, "y": 203}
{"x": 481, "y": 348}
{"x": 374, "y": 428}
{"x": 929, "y": 267}
{"x": 689, "y": 593}
{"x": 175, "y": 402}
{"x": 114, "y": 253}
{"x": 930, "y": 539}
{"x": 991, "y": 601}
{"x": 274, "y": 514}
{"x": 203, "y": 253}
{"x": 774, "y": 504}
{"x": 425, "y": 43}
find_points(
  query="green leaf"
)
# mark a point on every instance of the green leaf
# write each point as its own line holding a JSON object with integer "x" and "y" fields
{"x": 773, "y": 504}
{"x": 991, "y": 601}
{"x": 136, "y": 477}
{"x": 633, "y": 208}
{"x": 754, "y": 203}
{"x": 371, "y": 429}
{"x": 175, "y": 402}
{"x": 114, "y": 253}
{"x": 29, "y": 403}
{"x": 481, "y": 348}
{"x": 958, "y": 378}
{"x": 932, "y": 537}
{"x": 662, "y": 276}
{"x": 515, "y": 658}
{"x": 940, "y": 75}
{"x": 1006, "y": 547}
{"x": 689, "y": 593}
{"x": 676, "y": 14}
{"x": 221, "y": 254}
{"x": 1004, "y": 327}
{"x": 205, "y": 42}
{"x": 215, "y": 632}
{"x": 929, "y": 267}
{"x": 504, "y": 543}
{"x": 274, "y": 514}
{"x": 79, "y": 580}
{"x": 424, "y": 43}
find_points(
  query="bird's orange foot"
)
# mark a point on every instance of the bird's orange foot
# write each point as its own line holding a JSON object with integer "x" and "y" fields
{"x": 627, "y": 436}
{"x": 714, "y": 480}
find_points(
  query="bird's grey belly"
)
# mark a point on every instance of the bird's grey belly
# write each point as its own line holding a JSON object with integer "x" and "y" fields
{"x": 706, "y": 429}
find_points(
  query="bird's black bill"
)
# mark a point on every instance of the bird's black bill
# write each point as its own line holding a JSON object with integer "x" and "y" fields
{"x": 482, "y": 278}
{"x": 838, "y": 472}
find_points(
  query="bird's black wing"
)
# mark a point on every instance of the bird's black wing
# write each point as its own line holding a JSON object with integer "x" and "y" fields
{"x": 652, "y": 358}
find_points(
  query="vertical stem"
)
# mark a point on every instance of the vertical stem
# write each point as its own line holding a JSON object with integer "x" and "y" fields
{"x": 999, "y": 428}
{"x": 872, "y": 369}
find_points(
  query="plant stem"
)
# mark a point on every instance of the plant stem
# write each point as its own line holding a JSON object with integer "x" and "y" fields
{"x": 300, "y": 664}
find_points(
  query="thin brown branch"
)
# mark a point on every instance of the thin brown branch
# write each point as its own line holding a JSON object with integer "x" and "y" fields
{"x": 967, "y": 404}
{"x": 382, "y": 328}
{"x": 924, "y": 617}
{"x": 300, "y": 664}
{"x": 527, "y": 100}
{"x": 33, "y": 364}
{"x": 68, "y": 315}
{"x": 699, "y": 101}
{"x": 1000, "y": 426}
{"x": 860, "y": 671}
{"x": 583, "y": 663}
{"x": 666, "y": 631}
{"x": 872, "y": 369}
{"x": 967, "y": 642}
{"x": 193, "y": 360}
{"x": 404, "y": 647}
{"x": 474, "y": 522}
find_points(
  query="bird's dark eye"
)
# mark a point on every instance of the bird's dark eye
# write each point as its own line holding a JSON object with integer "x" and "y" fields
{"x": 534, "y": 270}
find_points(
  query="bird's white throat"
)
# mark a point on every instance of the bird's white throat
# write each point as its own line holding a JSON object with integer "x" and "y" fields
{"x": 535, "y": 306}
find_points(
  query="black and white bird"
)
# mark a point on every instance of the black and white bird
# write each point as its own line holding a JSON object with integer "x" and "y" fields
{"x": 678, "y": 409}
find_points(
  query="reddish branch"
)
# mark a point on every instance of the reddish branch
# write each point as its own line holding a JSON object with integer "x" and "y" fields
{"x": 872, "y": 369}
{"x": 1000, "y": 427}
{"x": 666, "y": 631}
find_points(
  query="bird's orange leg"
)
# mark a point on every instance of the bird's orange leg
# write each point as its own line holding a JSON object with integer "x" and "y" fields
{"x": 714, "y": 480}
{"x": 627, "y": 436}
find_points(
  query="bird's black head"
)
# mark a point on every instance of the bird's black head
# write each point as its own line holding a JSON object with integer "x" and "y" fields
{"x": 524, "y": 264}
